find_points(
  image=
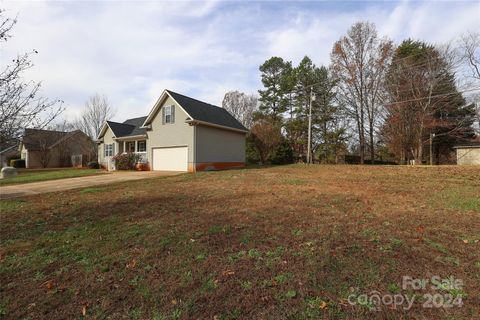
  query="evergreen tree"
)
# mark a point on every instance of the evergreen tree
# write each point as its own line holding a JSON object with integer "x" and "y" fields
{"x": 273, "y": 99}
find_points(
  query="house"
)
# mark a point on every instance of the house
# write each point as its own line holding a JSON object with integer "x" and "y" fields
{"x": 8, "y": 151}
{"x": 468, "y": 153}
{"x": 179, "y": 134}
{"x": 52, "y": 149}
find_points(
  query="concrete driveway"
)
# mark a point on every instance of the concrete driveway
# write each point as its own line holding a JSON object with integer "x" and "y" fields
{"x": 26, "y": 189}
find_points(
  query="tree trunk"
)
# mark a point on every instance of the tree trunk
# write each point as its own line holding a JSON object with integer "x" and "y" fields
{"x": 419, "y": 152}
{"x": 372, "y": 147}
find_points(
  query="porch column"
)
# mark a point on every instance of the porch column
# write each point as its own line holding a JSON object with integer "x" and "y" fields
{"x": 136, "y": 145}
{"x": 124, "y": 144}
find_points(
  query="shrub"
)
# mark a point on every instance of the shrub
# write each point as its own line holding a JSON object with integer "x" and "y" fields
{"x": 283, "y": 154}
{"x": 143, "y": 166}
{"x": 17, "y": 163}
{"x": 126, "y": 161}
{"x": 93, "y": 165}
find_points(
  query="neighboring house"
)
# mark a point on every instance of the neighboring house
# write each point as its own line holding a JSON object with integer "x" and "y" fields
{"x": 52, "y": 149}
{"x": 468, "y": 153}
{"x": 179, "y": 134}
{"x": 8, "y": 151}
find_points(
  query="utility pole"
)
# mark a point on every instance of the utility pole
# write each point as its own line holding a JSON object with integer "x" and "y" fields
{"x": 312, "y": 98}
{"x": 432, "y": 135}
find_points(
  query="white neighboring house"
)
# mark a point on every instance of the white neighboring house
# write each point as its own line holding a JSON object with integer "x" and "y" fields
{"x": 468, "y": 153}
{"x": 179, "y": 134}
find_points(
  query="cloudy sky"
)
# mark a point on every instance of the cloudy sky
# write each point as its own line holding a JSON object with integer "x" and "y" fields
{"x": 131, "y": 51}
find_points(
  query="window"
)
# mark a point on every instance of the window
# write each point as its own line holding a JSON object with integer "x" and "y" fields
{"x": 168, "y": 114}
{"x": 130, "y": 146}
{"x": 109, "y": 150}
{"x": 142, "y": 146}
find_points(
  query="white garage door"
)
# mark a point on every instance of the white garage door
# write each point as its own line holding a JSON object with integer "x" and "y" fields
{"x": 170, "y": 159}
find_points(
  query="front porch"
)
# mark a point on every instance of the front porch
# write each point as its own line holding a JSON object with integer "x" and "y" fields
{"x": 134, "y": 146}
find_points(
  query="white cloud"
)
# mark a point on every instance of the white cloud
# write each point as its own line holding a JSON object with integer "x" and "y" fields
{"x": 131, "y": 51}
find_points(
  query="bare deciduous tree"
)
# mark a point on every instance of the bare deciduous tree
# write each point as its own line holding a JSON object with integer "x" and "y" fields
{"x": 424, "y": 100}
{"x": 44, "y": 152}
{"x": 266, "y": 133}
{"x": 470, "y": 52}
{"x": 20, "y": 104}
{"x": 359, "y": 63}
{"x": 97, "y": 110}
{"x": 63, "y": 144}
{"x": 241, "y": 106}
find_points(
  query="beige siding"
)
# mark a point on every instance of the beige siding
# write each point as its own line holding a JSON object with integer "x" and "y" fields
{"x": 35, "y": 159}
{"x": 107, "y": 139}
{"x": 219, "y": 145}
{"x": 77, "y": 144}
{"x": 170, "y": 135}
{"x": 468, "y": 156}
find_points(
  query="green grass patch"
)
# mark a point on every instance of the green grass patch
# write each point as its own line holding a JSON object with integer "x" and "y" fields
{"x": 26, "y": 176}
{"x": 11, "y": 205}
{"x": 461, "y": 198}
{"x": 437, "y": 246}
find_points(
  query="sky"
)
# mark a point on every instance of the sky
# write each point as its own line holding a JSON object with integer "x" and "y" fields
{"x": 132, "y": 51}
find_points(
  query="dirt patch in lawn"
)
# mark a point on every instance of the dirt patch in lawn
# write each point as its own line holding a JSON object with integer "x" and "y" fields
{"x": 291, "y": 242}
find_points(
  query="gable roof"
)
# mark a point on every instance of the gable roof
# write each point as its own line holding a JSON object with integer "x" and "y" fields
{"x": 467, "y": 145}
{"x": 199, "y": 111}
{"x": 36, "y": 139}
{"x": 137, "y": 123}
{"x": 6, "y": 147}
{"x": 130, "y": 127}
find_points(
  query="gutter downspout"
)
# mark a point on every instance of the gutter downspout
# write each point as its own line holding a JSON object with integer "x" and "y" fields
{"x": 194, "y": 148}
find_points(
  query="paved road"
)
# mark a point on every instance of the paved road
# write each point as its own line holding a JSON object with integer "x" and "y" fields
{"x": 26, "y": 189}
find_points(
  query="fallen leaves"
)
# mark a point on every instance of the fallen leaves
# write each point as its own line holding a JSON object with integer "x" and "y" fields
{"x": 49, "y": 284}
{"x": 228, "y": 273}
{"x": 84, "y": 311}
{"x": 131, "y": 264}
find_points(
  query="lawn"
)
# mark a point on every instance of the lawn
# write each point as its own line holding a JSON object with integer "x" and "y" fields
{"x": 292, "y": 242}
{"x": 26, "y": 175}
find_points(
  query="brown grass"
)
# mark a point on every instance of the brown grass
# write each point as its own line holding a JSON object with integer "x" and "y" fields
{"x": 289, "y": 242}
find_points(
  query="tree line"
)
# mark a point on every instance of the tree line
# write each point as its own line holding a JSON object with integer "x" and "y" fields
{"x": 376, "y": 100}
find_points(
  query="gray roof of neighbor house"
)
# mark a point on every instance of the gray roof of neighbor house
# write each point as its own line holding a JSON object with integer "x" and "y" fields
{"x": 36, "y": 139}
{"x": 206, "y": 112}
{"x": 467, "y": 145}
{"x": 130, "y": 127}
{"x": 471, "y": 143}
{"x": 8, "y": 146}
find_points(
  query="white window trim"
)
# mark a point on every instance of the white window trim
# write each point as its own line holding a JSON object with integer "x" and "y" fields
{"x": 168, "y": 112}
{"x": 108, "y": 152}
{"x": 129, "y": 143}
{"x": 144, "y": 143}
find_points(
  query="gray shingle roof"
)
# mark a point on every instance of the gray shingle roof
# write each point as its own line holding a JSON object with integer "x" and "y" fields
{"x": 130, "y": 127}
{"x": 206, "y": 112}
{"x": 467, "y": 145}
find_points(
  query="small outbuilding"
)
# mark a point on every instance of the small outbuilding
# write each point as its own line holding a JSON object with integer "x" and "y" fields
{"x": 468, "y": 153}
